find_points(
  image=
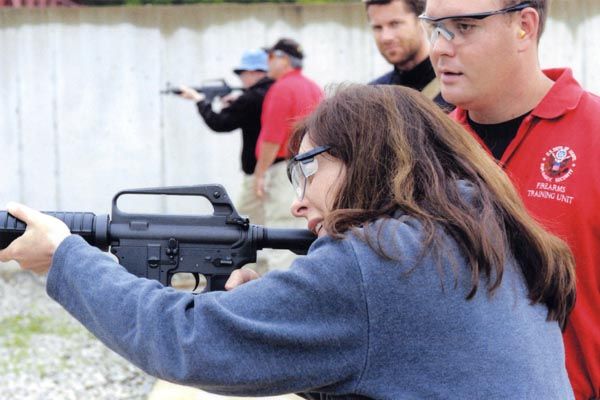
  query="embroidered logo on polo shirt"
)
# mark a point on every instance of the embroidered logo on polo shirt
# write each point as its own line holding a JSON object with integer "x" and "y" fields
{"x": 558, "y": 164}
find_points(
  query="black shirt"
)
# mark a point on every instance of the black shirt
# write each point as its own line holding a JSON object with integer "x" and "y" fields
{"x": 417, "y": 78}
{"x": 497, "y": 137}
{"x": 243, "y": 113}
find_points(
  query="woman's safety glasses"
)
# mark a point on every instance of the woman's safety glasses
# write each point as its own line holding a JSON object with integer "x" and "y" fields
{"x": 458, "y": 27}
{"x": 301, "y": 167}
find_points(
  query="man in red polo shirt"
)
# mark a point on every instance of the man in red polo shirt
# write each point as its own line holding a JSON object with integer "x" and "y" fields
{"x": 291, "y": 97}
{"x": 543, "y": 128}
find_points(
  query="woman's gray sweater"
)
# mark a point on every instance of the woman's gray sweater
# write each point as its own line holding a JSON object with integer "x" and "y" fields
{"x": 341, "y": 321}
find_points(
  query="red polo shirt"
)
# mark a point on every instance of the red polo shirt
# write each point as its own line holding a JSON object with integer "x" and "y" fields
{"x": 291, "y": 97}
{"x": 554, "y": 161}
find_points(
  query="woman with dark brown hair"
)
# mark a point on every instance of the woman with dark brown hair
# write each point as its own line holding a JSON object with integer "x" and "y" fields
{"x": 428, "y": 280}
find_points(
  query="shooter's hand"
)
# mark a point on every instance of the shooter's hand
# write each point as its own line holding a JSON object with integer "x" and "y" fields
{"x": 191, "y": 94}
{"x": 228, "y": 99}
{"x": 239, "y": 277}
{"x": 35, "y": 248}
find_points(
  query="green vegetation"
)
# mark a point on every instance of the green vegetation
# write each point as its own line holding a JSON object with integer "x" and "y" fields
{"x": 19, "y": 329}
{"x": 17, "y": 334}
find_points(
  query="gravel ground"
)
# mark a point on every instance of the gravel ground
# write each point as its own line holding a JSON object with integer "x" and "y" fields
{"x": 46, "y": 354}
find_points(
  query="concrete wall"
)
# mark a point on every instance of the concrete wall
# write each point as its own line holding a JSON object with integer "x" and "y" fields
{"x": 80, "y": 114}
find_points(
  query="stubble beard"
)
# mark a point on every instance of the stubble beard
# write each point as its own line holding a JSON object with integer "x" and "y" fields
{"x": 409, "y": 59}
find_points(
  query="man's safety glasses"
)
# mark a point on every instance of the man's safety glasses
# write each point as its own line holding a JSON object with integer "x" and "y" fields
{"x": 276, "y": 54}
{"x": 457, "y": 27}
{"x": 301, "y": 167}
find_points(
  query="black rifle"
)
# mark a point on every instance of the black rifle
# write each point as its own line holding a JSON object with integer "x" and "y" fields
{"x": 159, "y": 246}
{"x": 210, "y": 89}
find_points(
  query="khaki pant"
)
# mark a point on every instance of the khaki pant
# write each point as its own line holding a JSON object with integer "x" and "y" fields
{"x": 272, "y": 212}
{"x": 248, "y": 204}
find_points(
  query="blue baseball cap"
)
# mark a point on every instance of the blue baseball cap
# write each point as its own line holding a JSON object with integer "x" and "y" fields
{"x": 252, "y": 60}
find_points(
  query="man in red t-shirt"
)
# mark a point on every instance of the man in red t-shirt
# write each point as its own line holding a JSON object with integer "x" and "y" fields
{"x": 291, "y": 97}
{"x": 544, "y": 130}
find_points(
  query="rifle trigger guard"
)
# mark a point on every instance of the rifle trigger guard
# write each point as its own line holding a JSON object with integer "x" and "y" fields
{"x": 197, "y": 279}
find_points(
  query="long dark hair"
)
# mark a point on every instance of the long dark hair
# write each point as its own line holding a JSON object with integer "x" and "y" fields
{"x": 402, "y": 153}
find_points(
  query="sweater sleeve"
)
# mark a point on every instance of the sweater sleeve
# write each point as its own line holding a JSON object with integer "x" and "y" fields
{"x": 231, "y": 117}
{"x": 290, "y": 331}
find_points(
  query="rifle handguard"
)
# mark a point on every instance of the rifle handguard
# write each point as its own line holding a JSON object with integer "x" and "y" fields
{"x": 92, "y": 228}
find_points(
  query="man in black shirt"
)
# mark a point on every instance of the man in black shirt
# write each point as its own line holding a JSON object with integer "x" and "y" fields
{"x": 401, "y": 40}
{"x": 241, "y": 112}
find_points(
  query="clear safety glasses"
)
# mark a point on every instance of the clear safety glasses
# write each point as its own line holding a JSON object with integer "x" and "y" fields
{"x": 458, "y": 27}
{"x": 301, "y": 167}
{"x": 276, "y": 53}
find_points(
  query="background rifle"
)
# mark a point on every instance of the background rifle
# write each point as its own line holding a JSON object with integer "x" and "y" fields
{"x": 158, "y": 246}
{"x": 210, "y": 89}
